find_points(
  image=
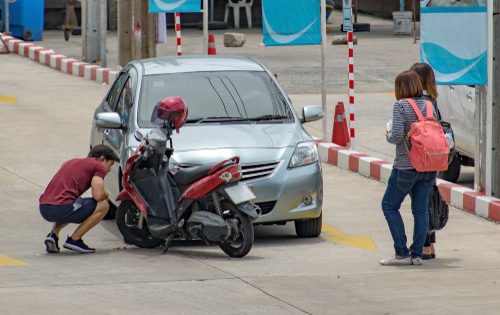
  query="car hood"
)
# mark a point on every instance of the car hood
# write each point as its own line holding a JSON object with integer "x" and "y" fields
{"x": 244, "y": 136}
{"x": 199, "y": 144}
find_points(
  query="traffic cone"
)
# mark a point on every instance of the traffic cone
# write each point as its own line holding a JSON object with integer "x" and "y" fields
{"x": 340, "y": 133}
{"x": 211, "y": 45}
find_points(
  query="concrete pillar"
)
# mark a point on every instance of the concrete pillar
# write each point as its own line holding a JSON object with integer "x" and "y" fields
{"x": 124, "y": 32}
{"x": 113, "y": 15}
{"x": 94, "y": 31}
{"x": 144, "y": 30}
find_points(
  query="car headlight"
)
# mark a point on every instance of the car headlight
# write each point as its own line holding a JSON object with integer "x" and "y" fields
{"x": 305, "y": 153}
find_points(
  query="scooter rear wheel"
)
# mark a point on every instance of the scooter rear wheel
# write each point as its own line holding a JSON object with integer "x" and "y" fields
{"x": 127, "y": 217}
{"x": 243, "y": 242}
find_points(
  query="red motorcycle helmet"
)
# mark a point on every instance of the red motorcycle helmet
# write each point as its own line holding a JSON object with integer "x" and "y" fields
{"x": 173, "y": 109}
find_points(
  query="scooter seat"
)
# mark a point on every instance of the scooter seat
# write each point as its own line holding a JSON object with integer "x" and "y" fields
{"x": 189, "y": 175}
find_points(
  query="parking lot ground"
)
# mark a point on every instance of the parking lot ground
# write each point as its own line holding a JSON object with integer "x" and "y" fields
{"x": 378, "y": 57}
{"x": 333, "y": 274}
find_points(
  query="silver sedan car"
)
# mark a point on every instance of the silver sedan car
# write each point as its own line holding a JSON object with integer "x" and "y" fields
{"x": 236, "y": 107}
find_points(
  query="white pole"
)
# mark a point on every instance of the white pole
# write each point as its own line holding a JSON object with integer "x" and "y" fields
{"x": 489, "y": 103}
{"x": 103, "y": 31}
{"x": 7, "y": 17}
{"x": 205, "y": 27}
{"x": 323, "y": 69}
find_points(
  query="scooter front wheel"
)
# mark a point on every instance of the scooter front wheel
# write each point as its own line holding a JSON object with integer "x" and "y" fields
{"x": 127, "y": 219}
{"x": 241, "y": 244}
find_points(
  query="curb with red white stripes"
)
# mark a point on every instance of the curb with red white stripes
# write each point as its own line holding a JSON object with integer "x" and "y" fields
{"x": 460, "y": 197}
{"x": 59, "y": 62}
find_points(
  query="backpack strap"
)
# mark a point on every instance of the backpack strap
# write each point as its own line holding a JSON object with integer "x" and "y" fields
{"x": 416, "y": 110}
{"x": 430, "y": 107}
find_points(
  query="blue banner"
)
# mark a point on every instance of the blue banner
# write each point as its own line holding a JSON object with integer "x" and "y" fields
{"x": 289, "y": 23}
{"x": 454, "y": 43}
{"x": 171, "y": 6}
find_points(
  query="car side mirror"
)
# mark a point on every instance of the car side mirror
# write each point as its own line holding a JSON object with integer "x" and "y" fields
{"x": 312, "y": 113}
{"x": 108, "y": 121}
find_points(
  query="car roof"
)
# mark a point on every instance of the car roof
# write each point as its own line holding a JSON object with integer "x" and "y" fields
{"x": 174, "y": 64}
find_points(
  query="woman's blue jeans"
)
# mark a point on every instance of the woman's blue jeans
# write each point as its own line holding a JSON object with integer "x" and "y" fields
{"x": 418, "y": 185}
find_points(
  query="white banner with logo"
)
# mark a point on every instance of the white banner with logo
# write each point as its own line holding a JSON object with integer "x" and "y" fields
{"x": 454, "y": 40}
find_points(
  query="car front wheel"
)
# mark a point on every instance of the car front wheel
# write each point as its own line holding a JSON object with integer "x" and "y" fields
{"x": 309, "y": 228}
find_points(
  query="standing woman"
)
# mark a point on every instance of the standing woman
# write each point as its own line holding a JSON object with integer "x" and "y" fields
{"x": 404, "y": 179}
{"x": 428, "y": 80}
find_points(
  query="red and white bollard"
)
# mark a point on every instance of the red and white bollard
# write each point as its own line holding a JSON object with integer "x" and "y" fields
{"x": 178, "y": 33}
{"x": 350, "y": 46}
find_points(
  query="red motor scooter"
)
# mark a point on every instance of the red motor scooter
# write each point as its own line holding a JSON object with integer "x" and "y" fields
{"x": 203, "y": 202}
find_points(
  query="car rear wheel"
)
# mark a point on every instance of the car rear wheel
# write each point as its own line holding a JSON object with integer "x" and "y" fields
{"x": 309, "y": 228}
{"x": 453, "y": 171}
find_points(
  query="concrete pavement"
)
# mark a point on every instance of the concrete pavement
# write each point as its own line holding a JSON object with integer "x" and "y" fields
{"x": 50, "y": 122}
{"x": 378, "y": 57}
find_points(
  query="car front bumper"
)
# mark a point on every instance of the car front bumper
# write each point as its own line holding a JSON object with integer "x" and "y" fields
{"x": 297, "y": 193}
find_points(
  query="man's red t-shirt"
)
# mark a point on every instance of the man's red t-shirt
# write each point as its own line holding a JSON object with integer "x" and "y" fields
{"x": 71, "y": 181}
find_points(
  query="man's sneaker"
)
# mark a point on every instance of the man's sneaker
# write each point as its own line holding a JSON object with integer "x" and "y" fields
{"x": 416, "y": 261}
{"x": 393, "y": 261}
{"x": 52, "y": 243}
{"x": 78, "y": 246}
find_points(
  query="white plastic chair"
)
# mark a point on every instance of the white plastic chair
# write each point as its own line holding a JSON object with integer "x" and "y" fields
{"x": 236, "y": 5}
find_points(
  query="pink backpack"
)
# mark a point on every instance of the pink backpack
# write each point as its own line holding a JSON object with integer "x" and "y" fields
{"x": 429, "y": 149}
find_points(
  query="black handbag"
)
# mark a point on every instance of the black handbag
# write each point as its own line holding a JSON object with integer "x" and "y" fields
{"x": 438, "y": 210}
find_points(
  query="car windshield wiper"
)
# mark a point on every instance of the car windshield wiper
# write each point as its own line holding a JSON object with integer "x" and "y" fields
{"x": 268, "y": 117}
{"x": 215, "y": 119}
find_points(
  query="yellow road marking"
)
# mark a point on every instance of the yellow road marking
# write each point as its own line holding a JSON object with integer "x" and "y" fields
{"x": 9, "y": 261}
{"x": 331, "y": 234}
{"x": 391, "y": 94}
{"x": 8, "y": 99}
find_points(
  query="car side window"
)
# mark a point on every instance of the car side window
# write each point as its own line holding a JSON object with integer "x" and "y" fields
{"x": 125, "y": 101}
{"x": 115, "y": 91}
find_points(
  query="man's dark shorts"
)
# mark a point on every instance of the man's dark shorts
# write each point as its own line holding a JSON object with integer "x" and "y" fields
{"x": 75, "y": 212}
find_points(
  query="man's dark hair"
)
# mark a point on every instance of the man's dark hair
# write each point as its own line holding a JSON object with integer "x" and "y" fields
{"x": 103, "y": 150}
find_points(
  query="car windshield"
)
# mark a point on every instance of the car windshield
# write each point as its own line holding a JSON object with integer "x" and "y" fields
{"x": 222, "y": 96}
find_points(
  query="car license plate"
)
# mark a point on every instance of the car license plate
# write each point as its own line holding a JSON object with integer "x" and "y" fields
{"x": 239, "y": 193}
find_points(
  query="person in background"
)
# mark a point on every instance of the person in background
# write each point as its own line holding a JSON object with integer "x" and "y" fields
{"x": 61, "y": 202}
{"x": 404, "y": 179}
{"x": 427, "y": 78}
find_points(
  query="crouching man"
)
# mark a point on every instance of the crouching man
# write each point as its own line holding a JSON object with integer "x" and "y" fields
{"x": 61, "y": 203}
